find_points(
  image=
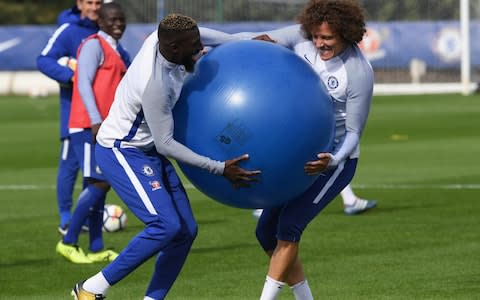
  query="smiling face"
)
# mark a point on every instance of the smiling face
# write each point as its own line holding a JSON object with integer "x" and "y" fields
{"x": 332, "y": 26}
{"x": 328, "y": 43}
{"x": 89, "y": 8}
{"x": 112, "y": 20}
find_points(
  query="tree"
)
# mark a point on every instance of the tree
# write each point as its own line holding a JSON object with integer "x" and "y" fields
{"x": 145, "y": 11}
{"x": 31, "y": 12}
{"x": 412, "y": 10}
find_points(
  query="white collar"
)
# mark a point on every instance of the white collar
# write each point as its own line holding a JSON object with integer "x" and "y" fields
{"x": 110, "y": 40}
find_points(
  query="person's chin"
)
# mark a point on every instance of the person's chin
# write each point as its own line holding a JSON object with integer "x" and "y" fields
{"x": 326, "y": 55}
{"x": 190, "y": 67}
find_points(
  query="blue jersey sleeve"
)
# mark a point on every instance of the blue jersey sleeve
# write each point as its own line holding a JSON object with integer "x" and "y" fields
{"x": 56, "y": 48}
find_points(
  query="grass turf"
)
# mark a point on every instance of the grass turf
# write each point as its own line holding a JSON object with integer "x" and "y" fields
{"x": 419, "y": 160}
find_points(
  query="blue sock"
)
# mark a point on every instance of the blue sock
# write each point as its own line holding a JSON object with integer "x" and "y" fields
{"x": 66, "y": 176}
{"x": 87, "y": 199}
{"x": 95, "y": 222}
{"x": 65, "y": 217}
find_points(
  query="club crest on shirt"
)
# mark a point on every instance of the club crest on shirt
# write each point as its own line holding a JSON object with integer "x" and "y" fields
{"x": 147, "y": 170}
{"x": 155, "y": 185}
{"x": 332, "y": 82}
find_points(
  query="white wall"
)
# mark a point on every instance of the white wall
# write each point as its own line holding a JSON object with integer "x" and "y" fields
{"x": 31, "y": 83}
{"x": 35, "y": 84}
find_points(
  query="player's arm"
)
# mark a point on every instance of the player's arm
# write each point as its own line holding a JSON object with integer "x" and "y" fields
{"x": 287, "y": 36}
{"x": 157, "y": 108}
{"x": 211, "y": 37}
{"x": 359, "y": 98}
{"x": 47, "y": 60}
{"x": 89, "y": 59}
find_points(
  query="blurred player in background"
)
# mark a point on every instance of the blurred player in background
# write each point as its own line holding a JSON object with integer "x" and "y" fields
{"x": 101, "y": 65}
{"x": 77, "y": 23}
{"x": 69, "y": 15}
{"x": 354, "y": 205}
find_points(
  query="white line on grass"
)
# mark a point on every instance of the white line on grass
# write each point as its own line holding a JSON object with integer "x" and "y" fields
{"x": 473, "y": 186}
{"x": 25, "y": 187}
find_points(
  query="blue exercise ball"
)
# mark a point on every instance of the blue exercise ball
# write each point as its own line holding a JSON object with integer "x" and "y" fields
{"x": 257, "y": 98}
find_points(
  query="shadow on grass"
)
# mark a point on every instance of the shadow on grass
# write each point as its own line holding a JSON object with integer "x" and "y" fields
{"x": 216, "y": 248}
{"x": 26, "y": 263}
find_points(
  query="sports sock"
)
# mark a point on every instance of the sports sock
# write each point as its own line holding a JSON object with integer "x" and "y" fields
{"x": 86, "y": 200}
{"x": 348, "y": 196}
{"x": 65, "y": 217}
{"x": 302, "y": 291}
{"x": 95, "y": 222}
{"x": 97, "y": 284}
{"x": 271, "y": 289}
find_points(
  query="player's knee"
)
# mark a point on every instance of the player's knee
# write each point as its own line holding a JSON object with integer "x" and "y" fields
{"x": 100, "y": 184}
{"x": 289, "y": 233}
{"x": 188, "y": 234}
{"x": 267, "y": 240}
{"x": 192, "y": 233}
{"x": 163, "y": 229}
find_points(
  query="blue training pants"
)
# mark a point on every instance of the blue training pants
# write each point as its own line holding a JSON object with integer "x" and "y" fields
{"x": 149, "y": 185}
{"x": 287, "y": 222}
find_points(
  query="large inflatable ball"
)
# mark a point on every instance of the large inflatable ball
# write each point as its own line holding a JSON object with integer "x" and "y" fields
{"x": 257, "y": 98}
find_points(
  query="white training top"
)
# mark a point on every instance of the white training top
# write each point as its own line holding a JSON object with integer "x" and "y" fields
{"x": 141, "y": 114}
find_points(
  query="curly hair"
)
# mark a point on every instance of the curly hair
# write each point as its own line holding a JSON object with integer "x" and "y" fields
{"x": 345, "y": 17}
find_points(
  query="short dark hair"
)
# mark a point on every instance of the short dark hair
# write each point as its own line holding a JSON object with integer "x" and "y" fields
{"x": 175, "y": 23}
{"x": 102, "y": 12}
{"x": 345, "y": 17}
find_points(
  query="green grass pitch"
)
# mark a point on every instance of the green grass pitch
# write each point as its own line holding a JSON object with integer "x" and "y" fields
{"x": 420, "y": 160}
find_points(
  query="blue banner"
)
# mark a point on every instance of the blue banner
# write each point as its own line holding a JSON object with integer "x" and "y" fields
{"x": 438, "y": 44}
{"x": 386, "y": 44}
